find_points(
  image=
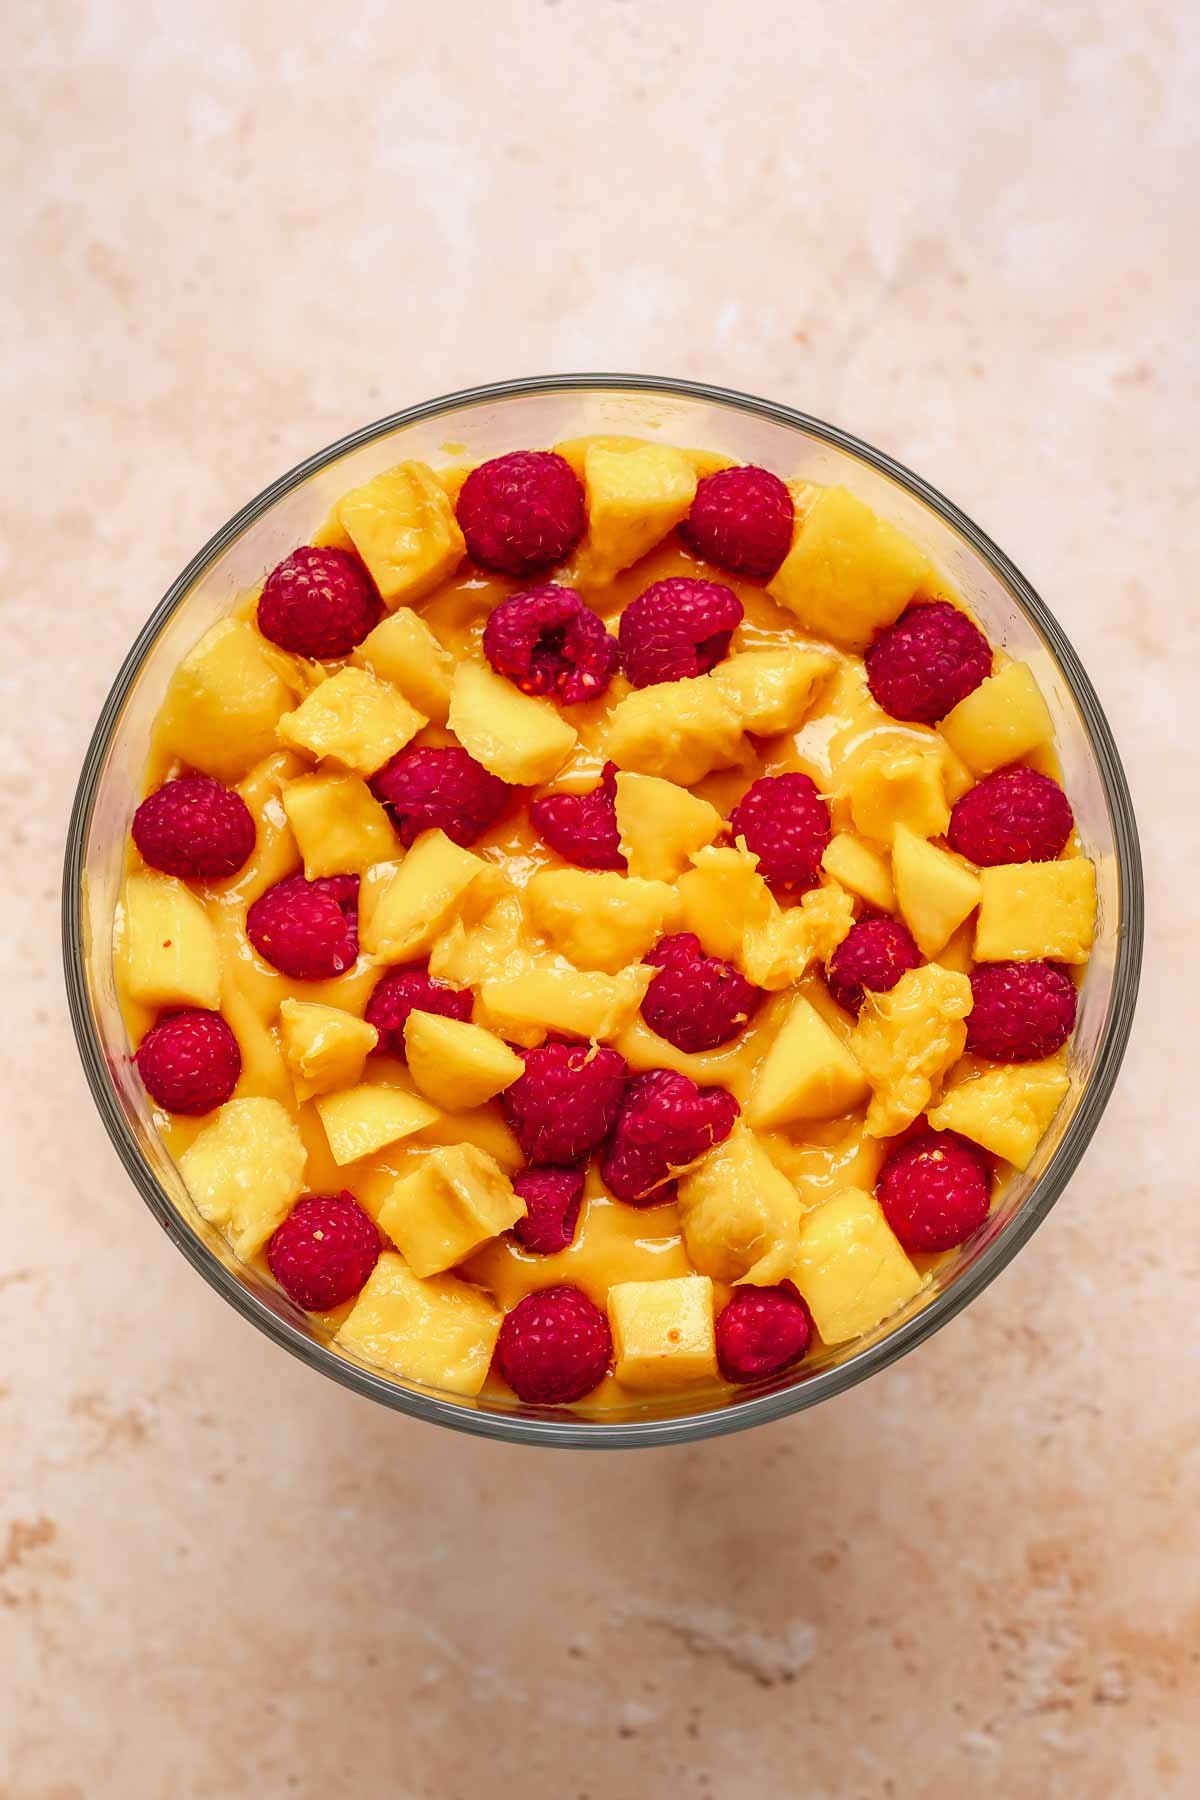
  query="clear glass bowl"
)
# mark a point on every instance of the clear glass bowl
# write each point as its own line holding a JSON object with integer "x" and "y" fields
{"x": 472, "y": 426}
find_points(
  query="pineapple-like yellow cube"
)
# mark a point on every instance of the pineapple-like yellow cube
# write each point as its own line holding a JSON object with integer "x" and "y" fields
{"x": 848, "y": 573}
{"x": 660, "y": 825}
{"x": 634, "y": 497}
{"x": 851, "y": 1269}
{"x": 1002, "y": 721}
{"x": 935, "y": 890}
{"x": 574, "y": 451}
{"x": 773, "y": 690}
{"x": 775, "y": 954}
{"x": 323, "y": 1046}
{"x": 167, "y": 944}
{"x": 472, "y": 950}
{"x": 808, "y": 1073}
{"x": 906, "y": 1039}
{"x": 599, "y": 919}
{"x": 224, "y": 702}
{"x": 576, "y": 1003}
{"x": 724, "y": 898}
{"x": 1029, "y": 911}
{"x": 455, "y": 1064}
{"x": 860, "y": 867}
{"x": 360, "y": 1120}
{"x": 356, "y": 720}
{"x": 403, "y": 907}
{"x": 1006, "y": 1109}
{"x": 455, "y": 1199}
{"x": 403, "y": 526}
{"x": 403, "y": 650}
{"x": 520, "y": 738}
{"x": 338, "y": 824}
{"x": 740, "y": 1215}
{"x": 679, "y": 730}
{"x": 662, "y": 1332}
{"x": 899, "y": 783}
{"x": 440, "y": 1333}
{"x": 245, "y": 1170}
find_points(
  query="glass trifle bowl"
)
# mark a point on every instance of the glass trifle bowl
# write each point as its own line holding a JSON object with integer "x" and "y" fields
{"x": 468, "y": 428}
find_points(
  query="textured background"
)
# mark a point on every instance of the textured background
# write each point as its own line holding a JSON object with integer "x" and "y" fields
{"x": 964, "y": 232}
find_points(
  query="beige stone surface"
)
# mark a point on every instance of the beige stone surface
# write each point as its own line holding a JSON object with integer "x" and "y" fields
{"x": 967, "y": 232}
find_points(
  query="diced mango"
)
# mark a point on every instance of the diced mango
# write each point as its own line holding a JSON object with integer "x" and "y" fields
{"x": 1029, "y": 911}
{"x": 1002, "y": 721}
{"x": 493, "y": 944}
{"x": 634, "y": 497}
{"x": 403, "y": 526}
{"x": 167, "y": 945}
{"x": 777, "y": 953}
{"x": 599, "y": 919}
{"x": 455, "y": 1064}
{"x": 773, "y": 690}
{"x": 224, "y": 702}
{"x": 362, "y": 1119}
{"x": 740, "y": 1215}
{"x": 724, "y": 898}
{"x": 354, "y": 719}
{"x": 848, "y": 573}
{"x": 898, "y": 783}
{"x": 323, "y": 1046}
{"x": 935, "y": 890}
{"x": 808, "y": 1073}
{"x": 851, "y": 1269}
{"x": 1006, "y": 1109}
{"x": 861, "y": 868}
{"x": 516, "y": 736}
{"x": 660, "y": 825}
{"x": 574, "y": 451}
{"x": 338, "y": 823}
{"x": 403, "y": 907}
{"x": 456, "y": 1199}
{"x": 662, "y": 1332}
{"x": 403, "y": 650}
{"x": 680, "y": 730}
{"x": 244, "y": 1171}
{"x": 440, "y": 1333}
{"x": 906, "y": 1039}
{"x": 525, "y": 1007}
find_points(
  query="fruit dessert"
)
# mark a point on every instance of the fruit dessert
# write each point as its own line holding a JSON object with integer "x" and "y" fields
{"x": 602, "y": 925}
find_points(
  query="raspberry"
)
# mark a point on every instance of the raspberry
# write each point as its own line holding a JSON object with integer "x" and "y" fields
{"x": 318, "y": 603}
{"x": 565, "y": 1102}
{"x": 522, "y": 511}
{"x": 443, "y": 787}
{"x": 665, "y": 1123}
{"x": 324, "y": 1250}
{"x": 307, "y": 929}
{"x": 554, "y": 1347}
{"x": 553, "y": 1198}
{"x": 929, "y": 660}
{"x": 677, "y": 628}
{"x": 1015, "y": 815}
{"x": 546, "y": 641}
{"x": 762, "y": 1331}
{"x": 741, "y": 519}
{"x": 189, "y": 1061}
{"x": 195, "y": 828}
{"x": 1020, "y": 1011}
{"x": 874, "y": 954}
{"x": 411, "y": 989}
{"x": 696, "y": 1002}
{"x": 934, "y": 1190}
{"x": 583, "y": 827}
{"x": 785, "y": 823}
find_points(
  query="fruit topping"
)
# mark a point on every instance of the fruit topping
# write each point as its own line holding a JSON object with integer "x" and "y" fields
{"x": 195, "y": 828}
{"x": 324, "y": 1251}
{"x": 874, "y": 954}
{"x": 929, "y": 660}
{"x": 1013, "y": 816}
{"x": 546, "y": 641}
{"x": 189, "y": 1061}
{"x": 934, "y": 1190}
{"x": 554, "y": 1347}
{"x": 1020, "y": 1012}
{"x": 307, "y": 929}
{"x": 696, "y": 1002}
{"x": 664, "y": 1124}
{"x": 443, "y": 788}
{"x": 565, "y": 1103}
{"x": 552, "y": 1198}
{"x": 762, "y": 1331}
{"x": 785, "y": 823}
{"x": 318, "y": 603}
{"x": 583, "y": 827}
{"x": 402, "y": 991}
{"x": 741, "y": 519}
{"x": 677, "y": 629}
{"x": 522, "y": 511}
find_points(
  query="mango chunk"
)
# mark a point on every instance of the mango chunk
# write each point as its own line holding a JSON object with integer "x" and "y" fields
{"x": 775, "y": 954}
{"x": 773, "y": 690}
{"x": 403, "y": 650}
{"x": 224, "y": 702}
{"x": 906, "y": 1039}
{"x": 848, "y": 573}
{"x": 851, "y": 1269}
{"x": 740, "y": 1215}
{"x": 724, "y": 898}
{"x": 1006, "y": 1109}
{"x": 358, "y": 721}
{"x": 935, "y": 890}
{"x": 860, "y": 868}
{"x": 679, "y": 730}
{"x": 403, "y": 907}
{"x": 489, "y": 945}
{"x": 403, "y": 526}
{"x": 634, "y": 497}
{"x": 360, "y": 1120}
{"x": 660, "y": 825}
{"x": 1032, "y": 911}
{"x": 898, "y": 784}
{"x": 582, "y": 1004}
{"x": 323, "y": 1046}
{"x": 599, "y": 919}
{"x": 338, "y": 823}
{"x": 245, "y": 1170}
{"x": 1003, "y": 720}
{"x": 455, "y": 1064}
{"x": 516, "y": 736}
{"x": 167, "y": 944}
{"x": 456, "y": 1199}
{"x": 808, "y": 1073}
{"x": 662, "y": 1332}
{"x": 440, "y": 1333}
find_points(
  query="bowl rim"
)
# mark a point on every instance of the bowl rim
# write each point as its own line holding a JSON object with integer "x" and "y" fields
{"x": 553, "y": 1429}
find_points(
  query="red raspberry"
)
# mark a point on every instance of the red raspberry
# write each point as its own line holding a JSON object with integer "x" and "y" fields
{"x": 583, "y": 827}
{"x": 934, "y": 1190}
{"x": 442, "y": 787}
{"x": 307, "y": 929}
{"x": 554, "y": 1347}
{"x": 762, "y": 1331}
{"x": 874, "y": 954}
{"x": 318, "y": 603}
{"x": 195, "y": 828}
{"x": 677, "y": 628}
{"x": 565, "y": 1102}
{"x": 929, "y": 660}
{"x": 665, "y": 1123}
{"x": 696, "y": 1002}
{"x": 785, "y": 823}
{"x": 1015, "y": 815}
{"x": 546, "y": 641}
{"x": 324, "y": 1250}
{"x": 553, "y": 1197}
{"x": 741, "y": 519}
{"x": 189, "y": 1061}
{"x": 412, "y": 989}
{"x": 522, "y": 511}
{"x": 1020, "y": 1011}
